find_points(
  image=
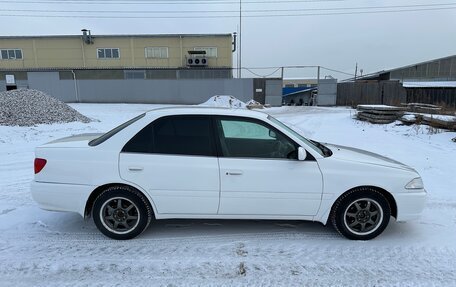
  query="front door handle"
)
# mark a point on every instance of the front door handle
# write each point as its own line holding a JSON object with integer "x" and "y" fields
{"x": 234, "y": 172}
{"x": 135, "y": 168}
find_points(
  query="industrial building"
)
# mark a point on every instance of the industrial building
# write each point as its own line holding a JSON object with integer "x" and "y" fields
{"x": 177, "y": 69}
{"x": 430, "y": 82}
{"x": 442, "y": 69}
{"x": 116, "y": 51}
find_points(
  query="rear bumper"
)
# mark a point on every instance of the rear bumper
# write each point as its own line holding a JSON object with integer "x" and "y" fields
{"x": 61, "y": 197}
{"x": 410, "y": 205}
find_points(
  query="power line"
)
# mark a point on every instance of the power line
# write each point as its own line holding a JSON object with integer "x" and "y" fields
{"x": 172, "y": 2}
{"x": 297, "y": 67}
{"x": 263, "y": 76}
{"x": 225, "y": 16}
{"x": 225, "y": 11}
{"x": 337, "y": 71}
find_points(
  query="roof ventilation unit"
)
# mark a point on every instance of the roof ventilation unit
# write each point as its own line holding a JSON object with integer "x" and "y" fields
{"x": 197, "y": 59}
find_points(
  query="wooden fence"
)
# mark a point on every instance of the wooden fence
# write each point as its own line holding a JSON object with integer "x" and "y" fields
{"x": 444, "y": 97}
{"x": 370, "y": 93}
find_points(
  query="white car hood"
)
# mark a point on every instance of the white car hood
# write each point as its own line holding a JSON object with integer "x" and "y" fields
{"x": 362, "y": 156}
{"x": 81, "y": 140}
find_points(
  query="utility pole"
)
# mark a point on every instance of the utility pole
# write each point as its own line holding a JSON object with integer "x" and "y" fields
{"x": 315, "y": 101}
{"x": 356, "y": 70}
{"x": 240, "y": 39}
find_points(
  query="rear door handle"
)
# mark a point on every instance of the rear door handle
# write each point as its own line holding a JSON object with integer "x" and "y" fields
{"x": 135, "y": 168}
{"x": 234, "y": 172}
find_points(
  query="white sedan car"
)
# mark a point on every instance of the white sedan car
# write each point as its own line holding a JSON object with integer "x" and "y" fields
{"x": 196, "y": 162}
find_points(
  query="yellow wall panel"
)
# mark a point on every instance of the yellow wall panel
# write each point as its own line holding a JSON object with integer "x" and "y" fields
{"x": 71, "y": 51}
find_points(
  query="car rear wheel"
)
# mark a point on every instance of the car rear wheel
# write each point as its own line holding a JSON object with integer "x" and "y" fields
{"x": 121, "y": 212}
{"x": 361, "y": 214}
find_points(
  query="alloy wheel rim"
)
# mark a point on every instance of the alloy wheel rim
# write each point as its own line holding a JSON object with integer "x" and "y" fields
{"x": 119, "y": 215}
{"x": 363, "y": 216}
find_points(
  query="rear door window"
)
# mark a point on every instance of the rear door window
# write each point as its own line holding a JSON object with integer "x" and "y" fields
{"x": 176, "y": 135}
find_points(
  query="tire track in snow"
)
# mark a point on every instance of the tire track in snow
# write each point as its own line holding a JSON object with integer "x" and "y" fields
{"x": 294, "y": 257}
{"x": 268, "y": 261}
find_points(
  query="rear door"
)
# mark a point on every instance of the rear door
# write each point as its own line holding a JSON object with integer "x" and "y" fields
{"x": 260, "y": 173}
{"x": 174, "y": 160}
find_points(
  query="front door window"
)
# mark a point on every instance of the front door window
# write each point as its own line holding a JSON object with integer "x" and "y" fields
{"x": 253, "y": 139}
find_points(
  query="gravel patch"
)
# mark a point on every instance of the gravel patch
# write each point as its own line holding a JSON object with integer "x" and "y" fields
{"x": 26, "y": 107}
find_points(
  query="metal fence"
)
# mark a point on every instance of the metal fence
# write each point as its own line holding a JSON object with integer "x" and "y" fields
{"x": 153, "y": 91}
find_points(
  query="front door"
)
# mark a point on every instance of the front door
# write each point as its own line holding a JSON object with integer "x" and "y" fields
{"x": 260, "y": 173}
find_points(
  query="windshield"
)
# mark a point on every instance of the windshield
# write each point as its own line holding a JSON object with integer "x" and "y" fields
{"x": 316, "y": 147}
{"x": 112, "y": 132}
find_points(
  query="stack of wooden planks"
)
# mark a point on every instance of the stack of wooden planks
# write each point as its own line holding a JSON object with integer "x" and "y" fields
{"x": 437, "y": 121}
{"x": 431, "y": 115}
{"x": 379, "y": 114}
{"x": 423, "y": 108}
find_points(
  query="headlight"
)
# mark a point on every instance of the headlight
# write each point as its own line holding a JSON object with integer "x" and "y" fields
{"x": 416, "y": 183}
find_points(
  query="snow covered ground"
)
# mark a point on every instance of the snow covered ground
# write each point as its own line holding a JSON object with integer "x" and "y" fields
{"x": 42, "y": 248}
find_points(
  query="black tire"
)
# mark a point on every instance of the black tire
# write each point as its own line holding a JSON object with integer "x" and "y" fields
{"x": 121, "y": 212}
{"x": 361, "y": 214}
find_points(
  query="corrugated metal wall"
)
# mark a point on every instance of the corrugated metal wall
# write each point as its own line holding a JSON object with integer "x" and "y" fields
{"x": 327, "y": 92}
{"x": 439, "y": 70}
{"x": 158, "y": 91}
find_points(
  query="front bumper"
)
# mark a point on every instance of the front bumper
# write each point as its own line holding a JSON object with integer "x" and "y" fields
{"x": 61, "y": 197}
{"x": 410, "y": 204}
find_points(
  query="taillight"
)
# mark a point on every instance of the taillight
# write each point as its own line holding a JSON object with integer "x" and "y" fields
{"x": 39, "y": 164}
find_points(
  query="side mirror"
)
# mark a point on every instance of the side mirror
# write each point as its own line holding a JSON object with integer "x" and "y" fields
{"x": 272, "y": 134}
{"x": 302, "y": 154}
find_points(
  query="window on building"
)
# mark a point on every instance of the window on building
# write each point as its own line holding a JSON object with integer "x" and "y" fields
{"x": 10, "y": 54}
{"x": 211, "y": 52}
{"x": 157, "y": 52}
{"x": 108, "y": 53}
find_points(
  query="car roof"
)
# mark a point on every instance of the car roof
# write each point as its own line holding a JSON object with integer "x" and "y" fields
{"x": 206, "y": 110}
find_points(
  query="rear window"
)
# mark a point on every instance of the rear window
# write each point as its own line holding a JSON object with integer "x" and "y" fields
{"x": 115, "y": 130}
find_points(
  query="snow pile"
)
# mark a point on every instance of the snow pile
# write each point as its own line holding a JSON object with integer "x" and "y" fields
{"x": 252, "y": 104}
{"x": 225, "y": 102}
{"x": 31, "y": 107}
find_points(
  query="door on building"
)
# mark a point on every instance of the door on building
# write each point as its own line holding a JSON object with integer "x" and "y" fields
{"x": 259, "y": 90}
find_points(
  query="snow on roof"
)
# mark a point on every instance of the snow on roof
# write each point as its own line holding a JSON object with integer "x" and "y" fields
{"x": 433, "y": 84}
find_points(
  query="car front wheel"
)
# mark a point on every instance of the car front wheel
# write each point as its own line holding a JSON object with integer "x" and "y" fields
{"x": 121, "y": 212}
{"x": 361, "y": 214}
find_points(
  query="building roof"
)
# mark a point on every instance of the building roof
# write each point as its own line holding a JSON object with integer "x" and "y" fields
{"x": 57, "y": 69}
{"x": 416, "y": 64}
{"x": 433, "y": 84}
{"x": 304, "y": 91}
{"x": 117, "y": 36}
{"x": 377, "y": 74}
